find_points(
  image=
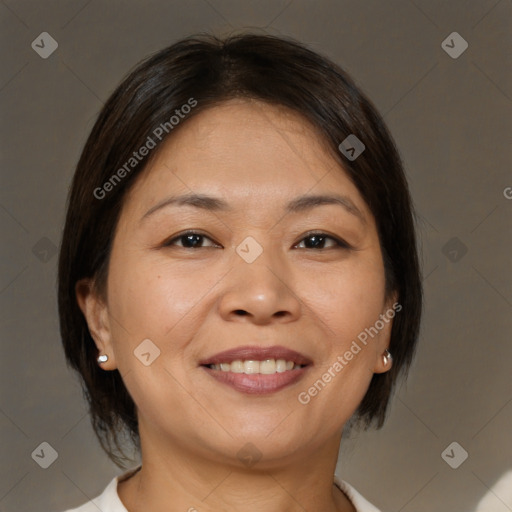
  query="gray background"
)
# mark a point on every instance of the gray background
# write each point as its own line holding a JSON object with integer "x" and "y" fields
{"x": 451, "y": 119}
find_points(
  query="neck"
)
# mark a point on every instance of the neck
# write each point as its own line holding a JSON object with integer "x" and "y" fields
{"x": 193, "y": 482}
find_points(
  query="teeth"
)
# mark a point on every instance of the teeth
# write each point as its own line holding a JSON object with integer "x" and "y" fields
{"x": 251, "y": 367}
{"x": 281, "y": 365}
{"x": 235, "y": 367}
{"x": 266, "y": 367}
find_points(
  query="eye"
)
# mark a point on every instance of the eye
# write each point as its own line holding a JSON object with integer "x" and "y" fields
{"x": 318, "y": 241}
{"x": 189, "y": 240}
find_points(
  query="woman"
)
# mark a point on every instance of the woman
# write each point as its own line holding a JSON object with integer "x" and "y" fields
{"x": 238, "y": 277}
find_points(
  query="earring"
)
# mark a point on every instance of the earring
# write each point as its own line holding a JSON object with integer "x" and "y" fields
{"x": 103, "y": 358}
{"x": 387, "y": 357}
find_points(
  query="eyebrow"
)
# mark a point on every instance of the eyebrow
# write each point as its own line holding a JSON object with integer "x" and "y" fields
{"x": 299, "y": 204}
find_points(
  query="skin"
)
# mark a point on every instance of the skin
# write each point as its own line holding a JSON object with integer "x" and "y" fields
{"x": 187, "y": 300}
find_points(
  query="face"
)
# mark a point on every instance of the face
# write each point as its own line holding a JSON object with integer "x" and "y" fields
{"x": 256, "y": 268}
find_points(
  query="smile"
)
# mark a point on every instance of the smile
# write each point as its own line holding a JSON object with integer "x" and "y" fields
{"x": 253, "y": 381}
{"x": 256, "y": 369}
{"x": 267, "y": 367}
{"x": 257, "y": 383}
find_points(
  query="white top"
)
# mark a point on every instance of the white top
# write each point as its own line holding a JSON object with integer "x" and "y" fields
{"x": 109, "y": 501}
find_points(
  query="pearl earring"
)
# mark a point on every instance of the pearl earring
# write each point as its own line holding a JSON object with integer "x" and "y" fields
{"x": 102, "y": 358}
{"x": 387, "y": 357}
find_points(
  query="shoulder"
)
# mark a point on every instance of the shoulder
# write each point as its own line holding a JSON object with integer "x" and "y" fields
{"x": 108, "y": 500}
{"x": 359, "y": 502}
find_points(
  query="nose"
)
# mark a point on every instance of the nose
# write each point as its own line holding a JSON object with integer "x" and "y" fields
{"x": 259, "y": 292}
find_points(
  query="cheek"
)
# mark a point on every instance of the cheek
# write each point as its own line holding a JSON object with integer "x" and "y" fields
{"x": 152, "y": 299}
{"x": 347, "y": 302}
{"x": 349, "y": 299}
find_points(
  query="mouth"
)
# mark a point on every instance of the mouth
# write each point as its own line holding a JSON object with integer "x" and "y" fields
{"x": 257, "y": 370}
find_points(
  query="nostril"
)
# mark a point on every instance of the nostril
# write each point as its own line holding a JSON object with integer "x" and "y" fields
{"x": 240, "y": 312}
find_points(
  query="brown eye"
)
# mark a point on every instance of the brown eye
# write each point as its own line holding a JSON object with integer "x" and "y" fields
{"x": 320, "y": 240}
{"x": 189, "y": 240}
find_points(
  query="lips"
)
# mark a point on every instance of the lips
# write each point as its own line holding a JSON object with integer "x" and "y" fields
{"x": 255, "y": 353}
{"x": 257, "y": 383}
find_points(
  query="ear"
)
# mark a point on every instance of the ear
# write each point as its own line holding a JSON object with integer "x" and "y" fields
{"x": 390, "y": 310}
{"x": 95, "y": 311}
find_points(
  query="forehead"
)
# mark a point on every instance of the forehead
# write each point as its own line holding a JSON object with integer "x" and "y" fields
{"x": 248, "y": 152}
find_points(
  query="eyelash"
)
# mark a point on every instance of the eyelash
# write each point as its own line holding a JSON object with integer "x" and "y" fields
{"x": 340, "y": 243}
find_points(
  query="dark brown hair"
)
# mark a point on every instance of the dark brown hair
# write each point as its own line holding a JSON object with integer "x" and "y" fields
{"x": 211, "y": 70}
